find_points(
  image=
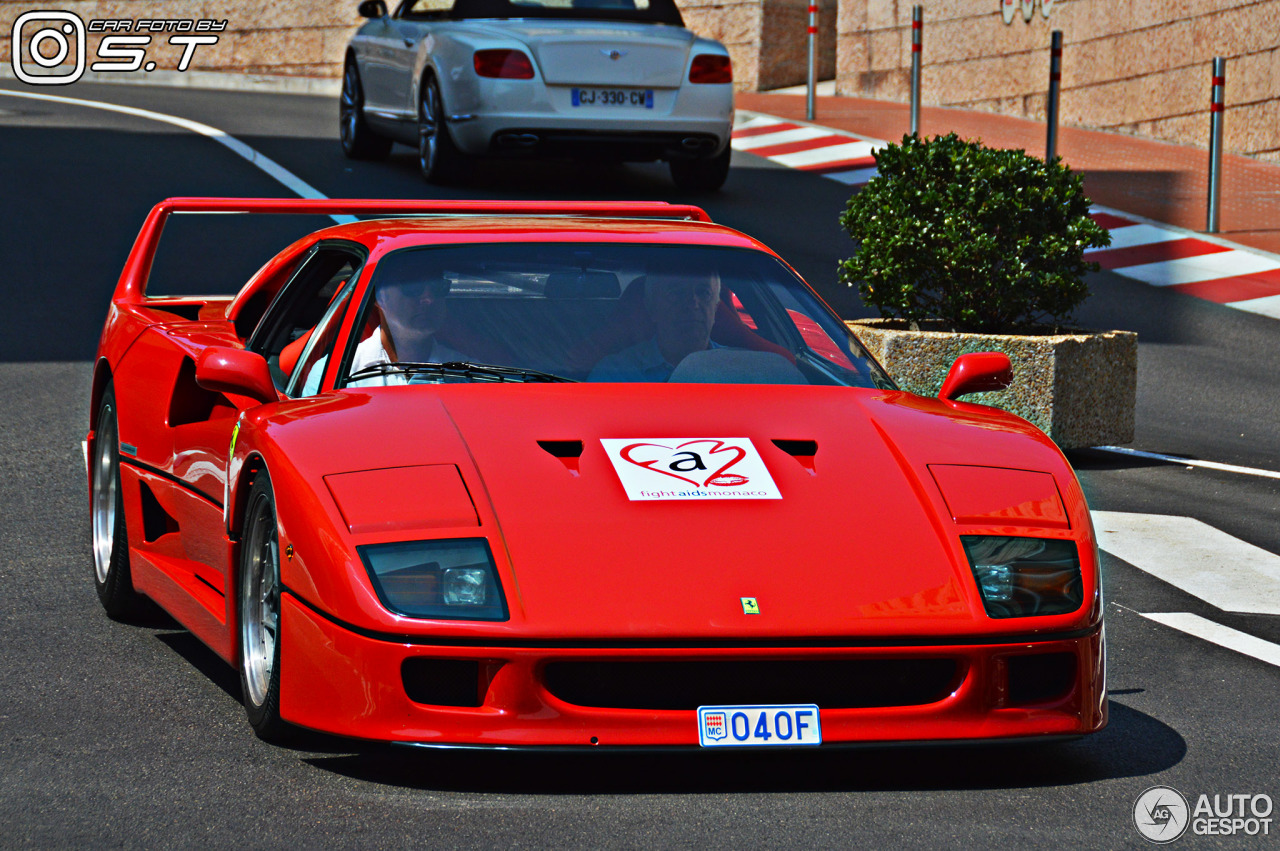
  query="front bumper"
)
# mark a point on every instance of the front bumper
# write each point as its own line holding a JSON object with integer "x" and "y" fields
{"x": 339, "y": 681}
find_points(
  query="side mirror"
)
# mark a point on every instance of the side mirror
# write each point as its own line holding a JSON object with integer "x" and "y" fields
{"x": 226, "y": 370}
{"x": 372, "y": 9}
{"x": 977, "y": 373}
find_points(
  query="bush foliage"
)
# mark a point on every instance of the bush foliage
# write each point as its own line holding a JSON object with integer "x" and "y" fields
{"x": 985, "y": 240}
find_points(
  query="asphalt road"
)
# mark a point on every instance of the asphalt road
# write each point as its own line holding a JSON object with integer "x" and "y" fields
{"x": 133, "y": 736}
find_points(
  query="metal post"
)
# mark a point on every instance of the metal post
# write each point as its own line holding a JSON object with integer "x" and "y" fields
{"x": 917, "y": 29}
{"x": 809, "y": 107}
{"x": 1216, "y": 107}
{"x": 1055, "y": 86}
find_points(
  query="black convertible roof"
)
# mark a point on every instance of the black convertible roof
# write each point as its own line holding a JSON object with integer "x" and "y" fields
{"x": 653, "y": 12}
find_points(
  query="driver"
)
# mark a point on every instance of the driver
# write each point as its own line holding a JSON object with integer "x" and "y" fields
{"x": 409, "y": 315}
{"x": 683, "y": 309}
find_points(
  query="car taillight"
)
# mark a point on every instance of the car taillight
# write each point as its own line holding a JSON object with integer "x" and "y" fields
{"x": 511, "y": 64}
{"x": 711, "y": 68}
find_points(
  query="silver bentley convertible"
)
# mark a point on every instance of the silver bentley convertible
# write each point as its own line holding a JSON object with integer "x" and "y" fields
{"x": 621, "y": 80}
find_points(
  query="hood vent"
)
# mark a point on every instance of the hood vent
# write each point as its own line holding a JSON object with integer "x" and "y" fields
{"x": 801, "y": 450}
{"x": 568, "y": 451}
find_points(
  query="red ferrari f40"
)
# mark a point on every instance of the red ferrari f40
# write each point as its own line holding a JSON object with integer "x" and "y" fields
{"x": 520, "y": 475}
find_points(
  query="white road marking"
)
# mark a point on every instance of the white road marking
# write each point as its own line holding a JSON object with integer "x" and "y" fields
{"x": 782, "y": 137}
{"x": 1205, "y": 267}
{"x": 1223, "y": 636}
{"x": 826, "y": 154}
{"x": 855, "y": 177}
{"x": 1190, "y": 462}
{"x": 1267, "y": 305}
{"x": 290, "y": 180}
{"x": 1131, "y": 235}
{"x": 1195, "y": 557}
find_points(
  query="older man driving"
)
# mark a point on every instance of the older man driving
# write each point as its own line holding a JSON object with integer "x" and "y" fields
{"x": 683, "y": 309}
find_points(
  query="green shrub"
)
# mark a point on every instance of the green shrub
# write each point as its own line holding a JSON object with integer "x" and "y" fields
{"x": 983, "y": 239}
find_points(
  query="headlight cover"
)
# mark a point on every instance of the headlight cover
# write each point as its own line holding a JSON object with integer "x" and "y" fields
{"x": 1025, "y": 577}
{"x": 449, "y": 578}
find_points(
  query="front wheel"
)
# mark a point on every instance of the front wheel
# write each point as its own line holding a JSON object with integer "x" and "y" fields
{"x": 439, "y": 159}
{"x": 111, "y": 573}
{"x": 702, "y": 175}
{"x": 258, "y": 607}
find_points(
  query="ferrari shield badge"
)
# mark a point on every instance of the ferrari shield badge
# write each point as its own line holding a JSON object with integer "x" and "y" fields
{"x": 690, "y": 468}
{"x": 750, "y": 606}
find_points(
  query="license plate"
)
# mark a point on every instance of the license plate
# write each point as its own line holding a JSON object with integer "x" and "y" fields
{"x": 636, "y": 98}
{"x": 730, "y": 726}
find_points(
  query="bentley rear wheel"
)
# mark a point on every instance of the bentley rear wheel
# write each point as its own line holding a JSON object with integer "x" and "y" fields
{"x": 702, "y": 175}
{"x": 439, "y": 159}
{"x": 258, "y": 607}
{"x": 358, "y": 141}
{"x": 111, "y": 573}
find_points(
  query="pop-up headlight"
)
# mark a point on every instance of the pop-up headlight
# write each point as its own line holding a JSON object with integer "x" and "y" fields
{"x": 1025, "y": 577}
{"x": 448, "y": 578}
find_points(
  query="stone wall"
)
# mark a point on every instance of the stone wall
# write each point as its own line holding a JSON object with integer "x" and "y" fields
{"x": 766, "y": 38}
{"x": 1129, "y": 66}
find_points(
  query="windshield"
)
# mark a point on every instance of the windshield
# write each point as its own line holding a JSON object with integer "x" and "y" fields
{"x": 597, "y": 312}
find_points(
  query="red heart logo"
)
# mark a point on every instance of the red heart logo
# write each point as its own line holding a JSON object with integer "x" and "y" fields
{"x": 674, "y": 468}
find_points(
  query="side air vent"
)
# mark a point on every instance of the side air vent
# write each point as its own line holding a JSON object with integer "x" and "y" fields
{"x": 191, "y": 403}
{"x": 156, "y": 522}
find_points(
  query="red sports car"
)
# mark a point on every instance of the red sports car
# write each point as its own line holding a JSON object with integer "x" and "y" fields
{"x": 579, "y": 474}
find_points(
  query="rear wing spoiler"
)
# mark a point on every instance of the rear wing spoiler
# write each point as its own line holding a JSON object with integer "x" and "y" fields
{"x": 132, "y": 286}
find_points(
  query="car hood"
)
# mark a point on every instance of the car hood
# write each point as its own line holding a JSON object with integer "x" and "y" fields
{"x": 601, "y": 54}
{"x": 857, "y": 540}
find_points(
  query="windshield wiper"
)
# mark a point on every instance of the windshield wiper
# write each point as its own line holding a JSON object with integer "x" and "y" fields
{"x": 458, "y": 369}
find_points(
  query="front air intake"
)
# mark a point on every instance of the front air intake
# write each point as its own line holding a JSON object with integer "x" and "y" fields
{"x": 442, "y": 682}
{"x": 831, "y": 684}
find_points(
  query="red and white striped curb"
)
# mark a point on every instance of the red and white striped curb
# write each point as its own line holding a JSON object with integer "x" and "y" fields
{"x": 846, "y": 157}
{"x": 1157, "y": 254}
{"x": 1187, "y": 262}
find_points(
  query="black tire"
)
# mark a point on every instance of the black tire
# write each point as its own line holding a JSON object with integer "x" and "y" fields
{"x": 258, "y": 614}
{"x": 111, "y": 574}
{"x": 702, "y": 175}
{"x": 439, "y": 159}
{"x": 358, "y": 141}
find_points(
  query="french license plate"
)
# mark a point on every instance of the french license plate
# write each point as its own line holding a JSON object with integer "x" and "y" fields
{"x": 636, "y": 98}
{"x": 729, "y": 726}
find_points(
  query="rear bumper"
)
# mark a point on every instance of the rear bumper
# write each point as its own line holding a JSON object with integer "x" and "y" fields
{"x": 341, "y": 682}
{"x": 501, "y": 111}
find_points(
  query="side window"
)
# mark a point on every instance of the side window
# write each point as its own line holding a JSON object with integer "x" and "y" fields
{"x": 306, "y": 376}
{"x": 286, "y": 328}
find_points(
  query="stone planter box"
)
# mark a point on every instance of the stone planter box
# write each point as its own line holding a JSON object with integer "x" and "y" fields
{"x": 1078, "y": 388}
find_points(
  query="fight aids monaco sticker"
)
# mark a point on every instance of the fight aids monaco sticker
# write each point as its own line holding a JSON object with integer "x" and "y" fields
{"x": 690, "y": 468}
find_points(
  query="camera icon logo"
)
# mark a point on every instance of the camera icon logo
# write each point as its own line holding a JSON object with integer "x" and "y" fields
{"x": 57, "y": 30}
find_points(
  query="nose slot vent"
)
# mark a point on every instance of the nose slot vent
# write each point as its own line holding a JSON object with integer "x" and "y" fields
{"x": 568, "y": 451}
{"x": 801, "y": 450}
